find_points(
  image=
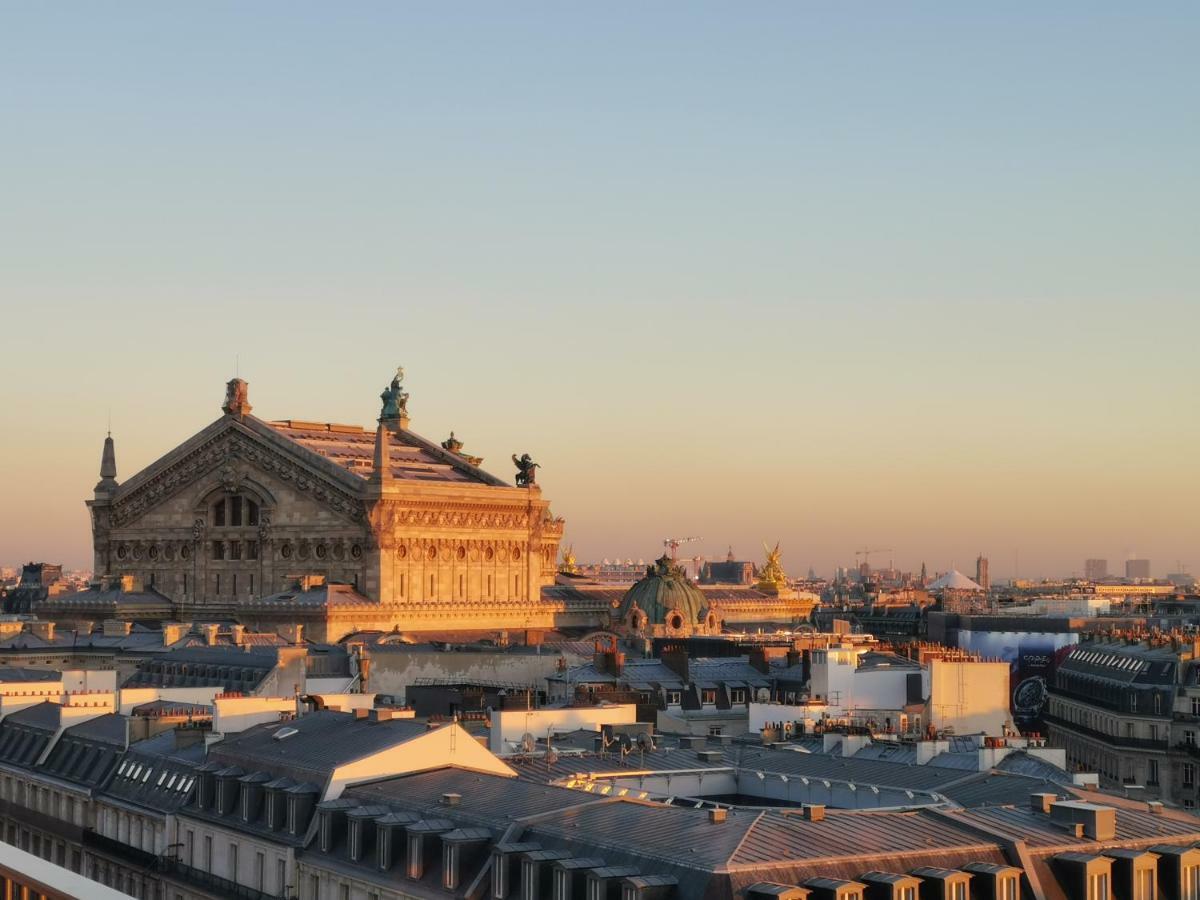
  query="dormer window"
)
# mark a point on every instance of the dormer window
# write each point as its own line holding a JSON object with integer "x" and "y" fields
{"x": 354, "y": 838}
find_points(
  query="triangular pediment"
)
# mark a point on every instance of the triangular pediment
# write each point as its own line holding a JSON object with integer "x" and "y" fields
{"x": 237, "y": 445}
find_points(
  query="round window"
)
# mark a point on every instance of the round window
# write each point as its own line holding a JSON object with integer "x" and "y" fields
{"x": 356, "y": 551}
{"x": 153, "y": 551}
{"x": 675, "y": 621}
{"x": 286, "y": 551}
{"x": 122, "y": 552}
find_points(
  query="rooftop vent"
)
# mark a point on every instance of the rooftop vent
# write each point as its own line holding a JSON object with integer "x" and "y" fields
{"x": 709, "y": 755}
{"x": 718, "y": 815}
{"x": 1042, "y": 802}
{"x": 451, "y": 799}
{"x": 285, "y": 733}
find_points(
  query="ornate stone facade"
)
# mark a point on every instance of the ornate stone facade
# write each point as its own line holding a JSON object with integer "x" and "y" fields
{"x": 246, "y": 508}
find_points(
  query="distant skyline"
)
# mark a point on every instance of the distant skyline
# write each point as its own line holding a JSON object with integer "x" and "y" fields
{"x": 919, "y": 276}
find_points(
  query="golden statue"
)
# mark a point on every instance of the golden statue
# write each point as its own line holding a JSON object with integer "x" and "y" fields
{"x": 568, "y": 566}
{"x": 771, "y": 577}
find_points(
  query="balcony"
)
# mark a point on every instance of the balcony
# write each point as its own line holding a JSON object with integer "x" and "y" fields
{"x": 1117, "y": 740}
{"x": 212, "y": 884}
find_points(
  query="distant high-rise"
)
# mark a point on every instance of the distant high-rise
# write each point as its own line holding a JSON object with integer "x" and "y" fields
{"x": 1095, "y": 569}
{"x": 981, "y": 573}
{"x": 1137, "y": 568}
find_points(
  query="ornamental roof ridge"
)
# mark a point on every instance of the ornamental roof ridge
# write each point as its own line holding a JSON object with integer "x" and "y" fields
{"x": 342, "y": 490}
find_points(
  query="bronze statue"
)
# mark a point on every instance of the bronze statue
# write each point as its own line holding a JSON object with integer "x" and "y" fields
{"x": 526, "y": 476}
{"x": 395, "y": 398}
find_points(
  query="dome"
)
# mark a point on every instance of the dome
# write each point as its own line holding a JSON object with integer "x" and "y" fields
{"x": 665, "y": 597}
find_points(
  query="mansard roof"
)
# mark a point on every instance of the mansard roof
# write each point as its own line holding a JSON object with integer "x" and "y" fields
{"x": 311, "y": 747}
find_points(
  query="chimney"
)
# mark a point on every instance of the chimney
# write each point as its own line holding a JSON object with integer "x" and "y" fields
{"x": 44, "y": 630}
{"x": 1099, "y": 822}
{"x": 758, "y": 659}
{"x": 1042, "y": 802}
{"x": 238, "y": 634}
{"x": 718, "y": 815}
{"x": 676, "y": 659}
{"x": 814, "y": 812}
{"x": 115, "y": 628}
{"x": 209, "y": 631}
{"x": 172, "y": 632}
{"x": 188, "y": 735}
{"x": 362, "y": 713}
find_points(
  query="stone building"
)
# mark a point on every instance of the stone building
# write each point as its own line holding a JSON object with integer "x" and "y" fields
{"x": 248, "y": 508}
{"x": 1127, "y": 705}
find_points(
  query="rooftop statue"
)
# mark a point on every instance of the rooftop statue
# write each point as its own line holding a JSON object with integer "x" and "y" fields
{"x": 395, "y": 398}
{"x": 453, "y": 444}
{"x": 526, "y": 476}
{"x": 237, "y": 398}
{"x": 569, "y": 566}
{"x": 772, "y": 575}
{"x": 664, "y": 567}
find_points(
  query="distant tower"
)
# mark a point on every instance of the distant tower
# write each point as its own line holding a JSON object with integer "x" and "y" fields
{"x": 1095, "y": 569}
{"x": 924, "y": 575}
{"x": 1137, "y": 569}
{"x": 981, "y": 572}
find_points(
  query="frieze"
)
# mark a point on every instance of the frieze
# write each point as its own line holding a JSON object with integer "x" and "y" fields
{"x": 218, "y": 455}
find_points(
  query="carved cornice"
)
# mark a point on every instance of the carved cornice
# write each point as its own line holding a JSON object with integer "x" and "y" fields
{"x": 227, "y": 449}
{"x": 386, "y": 517}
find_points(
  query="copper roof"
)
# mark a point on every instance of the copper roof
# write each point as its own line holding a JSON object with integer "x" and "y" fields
{"x": 413, "y": 458}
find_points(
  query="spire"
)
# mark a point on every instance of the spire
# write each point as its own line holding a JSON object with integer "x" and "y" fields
{"x": 108, "y": 466}
{"x": 381, "y": 467}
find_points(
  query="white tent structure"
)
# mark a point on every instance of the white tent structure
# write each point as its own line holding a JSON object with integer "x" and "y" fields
{"x": 954, "y": 580}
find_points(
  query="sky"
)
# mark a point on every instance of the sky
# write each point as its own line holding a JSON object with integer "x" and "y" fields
{"x": 915, "y": 276}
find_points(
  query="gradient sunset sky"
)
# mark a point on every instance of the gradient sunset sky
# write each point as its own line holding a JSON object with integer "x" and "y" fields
{"x": 921, "y": 276}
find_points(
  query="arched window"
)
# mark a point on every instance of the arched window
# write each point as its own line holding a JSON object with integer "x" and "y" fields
{"x": 234, "y": 511}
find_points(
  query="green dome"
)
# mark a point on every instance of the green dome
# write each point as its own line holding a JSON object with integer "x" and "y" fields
{"x": 664, "y": 591}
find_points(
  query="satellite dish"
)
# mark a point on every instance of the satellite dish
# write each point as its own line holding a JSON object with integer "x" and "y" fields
{"x": 528, "y": 743}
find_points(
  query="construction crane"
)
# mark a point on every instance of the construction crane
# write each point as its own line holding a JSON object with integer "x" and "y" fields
{"x": 673, "y": 544}
{"x": 866, "y": 552}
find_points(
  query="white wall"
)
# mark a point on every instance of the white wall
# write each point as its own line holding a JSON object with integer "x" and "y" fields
{"x": 449, "y": 745}
{"x": 128, "y": 698}
{"x": 89, "y": 680}
{"x": 969, "y": 697}
{"x": 234, "y": 714}
{"x": 509, "y": 725}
